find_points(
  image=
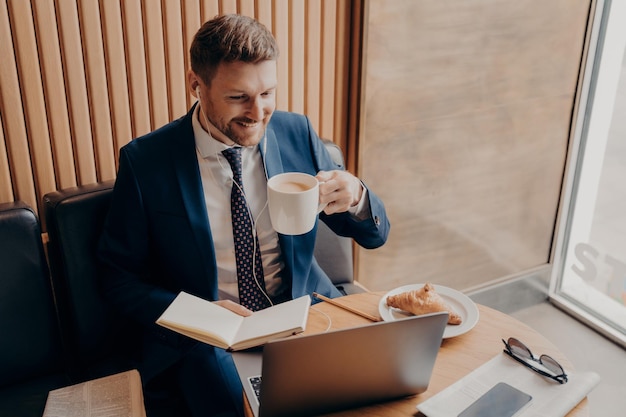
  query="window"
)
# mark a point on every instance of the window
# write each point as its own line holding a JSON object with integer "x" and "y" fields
{"x": 589, "y": 273}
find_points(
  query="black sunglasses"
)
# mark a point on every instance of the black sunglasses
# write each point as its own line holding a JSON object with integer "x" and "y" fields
{"x": 518, "y": 351}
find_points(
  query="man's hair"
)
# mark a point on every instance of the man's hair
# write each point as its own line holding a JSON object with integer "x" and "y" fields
{"x": 230, "y": 38}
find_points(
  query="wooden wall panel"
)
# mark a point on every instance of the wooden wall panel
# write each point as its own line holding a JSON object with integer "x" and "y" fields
{"x": 246, "y": 7}
{"x": 76, "y": 87}
{"x": 209, "y": 9}
{"x": 136, "y": 65}
{"x": 175, "y": 59}
{"x": 8, "y": 76}
{"x": 81, "y": 78}
{"x": 97, "y": 91}
{"x": 54, "y": 93}
{"x": 6, "y": 191}
{"x": 228, "y": 6}
{"x": 280, "y": 28}
{"x": 13, "y": 118}
{"x": 465, "y": 124}
{"x": 155, "y": 46}
{"x": 328, "y": 65}
{"x": 342, "y": 77}
{"x": 192, "y": 19}
{"x": 117, "y": 77}
{"x": 313, "y": 54}
{"x": 37, "y": 140}
{"x": 297, "y": 53}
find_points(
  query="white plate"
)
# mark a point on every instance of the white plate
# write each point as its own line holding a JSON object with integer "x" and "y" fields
{"x": 459, "y": 302}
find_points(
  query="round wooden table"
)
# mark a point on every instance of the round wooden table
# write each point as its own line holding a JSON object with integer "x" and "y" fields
{"x": 457, "y": 357}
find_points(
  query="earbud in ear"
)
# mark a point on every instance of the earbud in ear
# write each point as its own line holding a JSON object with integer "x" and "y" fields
{"x": 198, "y": 91}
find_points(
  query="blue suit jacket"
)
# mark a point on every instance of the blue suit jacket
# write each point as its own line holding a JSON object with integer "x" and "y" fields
{"x": 157, "y": 238}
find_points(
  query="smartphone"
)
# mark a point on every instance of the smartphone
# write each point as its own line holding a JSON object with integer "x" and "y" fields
{"x": 502, "y": 400}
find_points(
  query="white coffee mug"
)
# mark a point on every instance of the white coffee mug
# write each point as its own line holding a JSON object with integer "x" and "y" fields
{"x": 293, "y": 200}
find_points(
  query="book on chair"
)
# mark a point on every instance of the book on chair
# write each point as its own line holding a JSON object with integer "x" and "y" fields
{"x": 215, "y": 325}
{"x": 119, "y": 394}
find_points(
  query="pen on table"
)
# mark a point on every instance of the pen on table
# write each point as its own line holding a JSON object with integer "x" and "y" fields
{"x": 345, "y": 307}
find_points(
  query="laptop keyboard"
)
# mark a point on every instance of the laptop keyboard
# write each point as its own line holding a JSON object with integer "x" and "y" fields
{"x": 255, "y": 382}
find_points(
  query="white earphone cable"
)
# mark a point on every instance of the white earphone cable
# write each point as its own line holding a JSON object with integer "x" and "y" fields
{"x": 253, "y": 221}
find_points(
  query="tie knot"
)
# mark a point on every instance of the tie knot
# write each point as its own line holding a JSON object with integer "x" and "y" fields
{"x": 233, "y": 156}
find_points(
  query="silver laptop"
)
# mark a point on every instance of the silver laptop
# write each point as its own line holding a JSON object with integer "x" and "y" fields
{"x": 326, "y": 372}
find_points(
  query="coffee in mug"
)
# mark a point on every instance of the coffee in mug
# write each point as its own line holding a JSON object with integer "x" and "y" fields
{"x": 293, "y": 201}
{"x": 292, "y": 186}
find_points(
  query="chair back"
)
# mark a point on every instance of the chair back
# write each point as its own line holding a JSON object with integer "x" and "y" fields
{"x": 333, "y": 252}
{"x": 30, "y": 342}
{"x": 99, "y": 339}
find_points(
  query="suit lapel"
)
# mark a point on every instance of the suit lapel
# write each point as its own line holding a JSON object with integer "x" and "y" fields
{"x": 185, "y": 163}
{"x": 274, "y": 166}
{"x": 271, "y": 154}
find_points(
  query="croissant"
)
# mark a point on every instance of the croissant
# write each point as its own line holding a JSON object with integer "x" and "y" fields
{"x": 423, "y": 301}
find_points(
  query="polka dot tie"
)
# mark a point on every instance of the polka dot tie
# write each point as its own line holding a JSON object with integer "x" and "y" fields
{"x": 247, "y": 251}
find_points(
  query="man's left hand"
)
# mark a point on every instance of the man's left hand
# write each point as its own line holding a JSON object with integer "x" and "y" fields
{"x": 340, "y": 190}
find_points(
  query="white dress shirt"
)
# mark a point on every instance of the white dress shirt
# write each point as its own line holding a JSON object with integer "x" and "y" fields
{"x": 217, "y": 179}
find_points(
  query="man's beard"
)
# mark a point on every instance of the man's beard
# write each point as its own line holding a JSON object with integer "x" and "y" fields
{"x": 230, "y": 130}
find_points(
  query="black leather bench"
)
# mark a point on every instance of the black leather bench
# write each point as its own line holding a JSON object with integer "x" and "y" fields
{"x": 32, "y": 360}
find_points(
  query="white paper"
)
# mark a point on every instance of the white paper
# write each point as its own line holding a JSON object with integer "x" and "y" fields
{"x": 549, "y": 398}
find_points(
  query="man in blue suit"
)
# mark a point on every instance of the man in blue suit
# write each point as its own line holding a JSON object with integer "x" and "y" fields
{"x": 169, "y": 227}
